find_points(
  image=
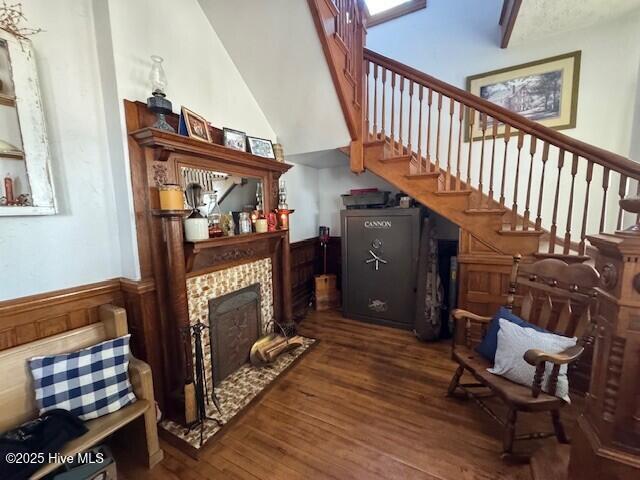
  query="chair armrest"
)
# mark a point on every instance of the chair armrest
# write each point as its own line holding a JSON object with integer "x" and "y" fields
{"x": 460, "y": 314}
{"x": 539, "y": 359}
{"x": 141, "y": 379}
{"x": 534, "y": 356}
{"x": 465, "y": 333}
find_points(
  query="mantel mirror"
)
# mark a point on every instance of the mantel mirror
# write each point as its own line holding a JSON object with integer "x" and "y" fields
{"x": 233, "y": 193}
{"x": 26, "y": 187}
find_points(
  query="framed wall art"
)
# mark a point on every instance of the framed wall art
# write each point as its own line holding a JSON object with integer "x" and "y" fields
{"x": 234, "y": 139}
{"x": 261, "y": 147}
{"x": 544, "y": 91}
{"x": 196, "y": 126}
{"x": 26, "y": 187}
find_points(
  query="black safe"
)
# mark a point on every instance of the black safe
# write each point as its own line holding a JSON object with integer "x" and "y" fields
{"x": 379, "y": 265}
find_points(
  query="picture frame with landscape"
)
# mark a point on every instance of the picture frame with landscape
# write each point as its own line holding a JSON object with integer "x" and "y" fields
{"x": 261, "y": 147}
{"x": 544, "y": 91}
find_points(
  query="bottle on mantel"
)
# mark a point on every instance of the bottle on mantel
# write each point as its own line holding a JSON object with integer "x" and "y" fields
{"x": 215, "y": 216}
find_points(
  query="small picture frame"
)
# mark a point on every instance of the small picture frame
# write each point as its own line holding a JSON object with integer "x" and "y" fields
{"x": 197, "y": 126}
{"x": 261, "y": 147}
{"x": 234, "y": 139}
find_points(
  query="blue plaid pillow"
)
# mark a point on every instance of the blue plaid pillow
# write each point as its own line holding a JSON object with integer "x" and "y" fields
{"x": 89, "y": 383}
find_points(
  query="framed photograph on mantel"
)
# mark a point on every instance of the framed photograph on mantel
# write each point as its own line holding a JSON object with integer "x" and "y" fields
{"x": 196, "y": 125}
{"x": 234, "y": 139}
{"x": 261, "y": 147}
{"x": 544, "y": 91}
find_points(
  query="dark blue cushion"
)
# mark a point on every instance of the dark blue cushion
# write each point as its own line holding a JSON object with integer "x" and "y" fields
{"x": 487, "y": 348}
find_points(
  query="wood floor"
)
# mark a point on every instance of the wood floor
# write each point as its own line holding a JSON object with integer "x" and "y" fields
{"x": 367, "y": 403}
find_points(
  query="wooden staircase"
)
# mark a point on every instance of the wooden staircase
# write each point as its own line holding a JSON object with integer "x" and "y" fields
{"x": 512, "y": 185}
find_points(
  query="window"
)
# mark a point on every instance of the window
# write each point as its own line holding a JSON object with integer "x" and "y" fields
{"x": 380, "y": 11}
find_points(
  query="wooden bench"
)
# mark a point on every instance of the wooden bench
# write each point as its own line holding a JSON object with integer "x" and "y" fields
{"x": 553, "y": 295}
{"x": 18, "y": 404}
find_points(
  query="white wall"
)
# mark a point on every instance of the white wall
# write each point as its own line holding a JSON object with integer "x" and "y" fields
{"x": 90, "y": 57}
{"x": 79, "y": 245}
{"x": 303, "y": 196}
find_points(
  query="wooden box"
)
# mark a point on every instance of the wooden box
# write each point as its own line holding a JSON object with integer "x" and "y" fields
{"x": 326, "y": 292}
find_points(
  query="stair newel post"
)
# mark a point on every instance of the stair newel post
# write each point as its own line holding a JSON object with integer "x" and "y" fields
{"x": 483, "y": 128}
{"x": 567, "y": 235}
{"x": 384, "y": 101}
{"x": 401, "y": 88}
{"x": 367, "y": 66}
{"x": 375, "y": 101}
{"x": 429, "y": 101}
{"x": 605, "y": 189}
{"x": 459, "y": 158}
{"x": 393, "y": 112}
{"x": 514, "y": 207}
{"x": 583, "y": 233}
{"x": 438, "y": 132}
{"x": 410, "y": 129}
{"x": 605, "y": 442}
{"x": 494, "y": 134}
{"x": 507, "y": 135}
{"x": 622, "y": 192}
{"x": 545, "y": 157}
{"x": 451, "y": 108}
{"x": 527, "y": 212}
{"x": 471, "y": 114}
{"x": 554, "y": 221}
{"x": 420, "y": 94}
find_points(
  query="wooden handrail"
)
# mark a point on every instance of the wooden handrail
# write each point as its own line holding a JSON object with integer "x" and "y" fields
{"x": 592, "y": 153}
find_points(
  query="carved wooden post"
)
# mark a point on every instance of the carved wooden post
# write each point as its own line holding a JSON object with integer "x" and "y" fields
{"x": 607, "y": 443}
{"x": 182, "y": 374}
{"x": 287, "y": 309}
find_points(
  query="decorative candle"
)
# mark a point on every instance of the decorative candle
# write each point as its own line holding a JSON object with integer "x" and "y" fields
{"x": 261, "y": 225}
{"x": 8, "y": 190}
{"x": 171, "y": 197}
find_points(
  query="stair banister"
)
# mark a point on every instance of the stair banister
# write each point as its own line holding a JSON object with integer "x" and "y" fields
{"x": 585, "y": 150}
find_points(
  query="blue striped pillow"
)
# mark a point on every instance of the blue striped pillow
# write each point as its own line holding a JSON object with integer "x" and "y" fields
{"x": 89, "y": 383}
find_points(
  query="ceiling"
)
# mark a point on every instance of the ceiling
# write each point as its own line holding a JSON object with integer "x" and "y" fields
{"x": 275, "y": 46}
{"x": 543, "y": 18}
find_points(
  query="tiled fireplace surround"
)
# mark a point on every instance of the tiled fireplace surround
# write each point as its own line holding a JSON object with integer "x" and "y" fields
{"x": 202, "y": 288}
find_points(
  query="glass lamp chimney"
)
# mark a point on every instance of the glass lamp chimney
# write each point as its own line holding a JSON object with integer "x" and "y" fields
{"x": 157, "y": 77}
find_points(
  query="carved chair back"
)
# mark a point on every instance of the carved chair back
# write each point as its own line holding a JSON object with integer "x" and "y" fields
{"x": 554, "y": 295}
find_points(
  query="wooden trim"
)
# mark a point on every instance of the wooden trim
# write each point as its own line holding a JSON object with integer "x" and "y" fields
{"x": 395, "y": 12}
{"x": 168, "y": 143}
{"x": 595, "y": 154}
{"x": 508, "y": 16}
{"x": 34, "y": 317}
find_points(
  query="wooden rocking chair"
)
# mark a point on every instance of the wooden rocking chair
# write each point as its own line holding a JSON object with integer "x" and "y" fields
{"x": 553, "y": 295}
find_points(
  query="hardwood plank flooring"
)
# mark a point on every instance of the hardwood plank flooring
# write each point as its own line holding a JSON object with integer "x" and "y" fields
{"x": 367, "y": 403}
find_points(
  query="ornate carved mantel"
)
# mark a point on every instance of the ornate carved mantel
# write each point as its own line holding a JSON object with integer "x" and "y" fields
{"x": 166, "y": 260}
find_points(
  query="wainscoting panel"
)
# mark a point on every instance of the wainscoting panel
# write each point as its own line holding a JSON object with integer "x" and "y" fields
{"x": 26, "y": 319}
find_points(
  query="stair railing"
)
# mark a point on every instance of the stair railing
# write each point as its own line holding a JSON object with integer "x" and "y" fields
{"x": 549, "y": 181}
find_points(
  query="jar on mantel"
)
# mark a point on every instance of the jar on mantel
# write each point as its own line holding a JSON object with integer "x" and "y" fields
{"x": 215, "y": 216}
{"x": 244, "y": 222}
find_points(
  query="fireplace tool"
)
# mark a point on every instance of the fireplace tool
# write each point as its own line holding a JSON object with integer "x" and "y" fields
{"x": 202, "y": 390}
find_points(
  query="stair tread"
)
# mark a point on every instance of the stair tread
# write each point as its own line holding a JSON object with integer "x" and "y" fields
{"x": 397, "y": 158}
{"x": 531, "y": 232}
{"x": 418, "y": 176}
{"x": 488, "y": 211}
{"x": 454, "y": 192}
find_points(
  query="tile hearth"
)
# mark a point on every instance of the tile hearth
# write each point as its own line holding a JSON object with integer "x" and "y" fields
{"x": 234, "y": 393}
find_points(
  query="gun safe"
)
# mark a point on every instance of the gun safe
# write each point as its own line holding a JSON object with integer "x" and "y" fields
{"x": 379, "y": 265}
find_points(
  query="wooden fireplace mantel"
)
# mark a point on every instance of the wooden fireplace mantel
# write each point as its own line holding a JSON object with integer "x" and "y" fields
{"x": 159, "y": 315}
{"x": 167, "y": 143}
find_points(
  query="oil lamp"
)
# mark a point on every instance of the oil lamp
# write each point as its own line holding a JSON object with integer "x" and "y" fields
{"x": 158, "y": 102}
